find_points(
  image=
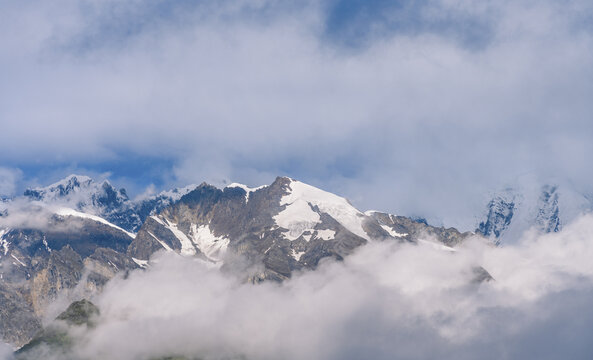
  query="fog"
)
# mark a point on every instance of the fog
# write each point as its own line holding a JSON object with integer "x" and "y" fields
{"x": 386, "y": 301}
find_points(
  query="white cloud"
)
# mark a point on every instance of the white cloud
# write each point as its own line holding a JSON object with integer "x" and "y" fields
{"x": 231, "y": 94}
{"x": 385, "y": 301}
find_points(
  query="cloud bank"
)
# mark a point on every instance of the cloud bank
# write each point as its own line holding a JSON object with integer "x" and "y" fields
{"x": 422, "y": 102}
{"x": 386, "y": 301}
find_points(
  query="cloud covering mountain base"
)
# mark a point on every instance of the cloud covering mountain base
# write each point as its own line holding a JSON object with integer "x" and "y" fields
{"x": 386, "y": 301}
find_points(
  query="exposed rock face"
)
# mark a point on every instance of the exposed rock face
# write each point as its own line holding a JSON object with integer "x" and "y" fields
{"x": 548, "y": 213}
{"x": 62, "y": 271}
{"x": 104, "y": 264}
{"x": 500, "y": 214}
{"x": 18, "y": 322}
{"x": 80, "y": 312}
{"x": 412, "y": 230}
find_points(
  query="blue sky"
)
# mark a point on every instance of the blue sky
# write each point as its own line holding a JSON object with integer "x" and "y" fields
{"x": 411, "y": 107}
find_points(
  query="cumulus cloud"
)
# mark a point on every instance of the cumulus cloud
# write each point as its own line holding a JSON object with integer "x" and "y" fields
{"x": 428, "y": 102}
{"x": 385, "y": 301}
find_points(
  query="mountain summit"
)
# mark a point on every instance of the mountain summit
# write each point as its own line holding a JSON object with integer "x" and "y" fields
{"x": 102, "y": 199}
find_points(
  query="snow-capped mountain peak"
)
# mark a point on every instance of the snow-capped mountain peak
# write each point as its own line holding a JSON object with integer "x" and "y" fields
{"x": 102, "y": 199}
{"x": 62, "y": 189}
{"x": 81, "y": 192}
{"x": 298, "y": 212}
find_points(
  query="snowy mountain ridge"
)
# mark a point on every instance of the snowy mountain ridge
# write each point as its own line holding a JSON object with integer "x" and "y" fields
{"x": 102, "y": 199}
{"x": 545, "y": 208}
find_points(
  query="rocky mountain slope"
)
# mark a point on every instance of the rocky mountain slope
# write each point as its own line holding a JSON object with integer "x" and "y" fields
{"x": 285, "y": 226}
{"x": 545, "y": 208}
{"x": 65, "y": 241}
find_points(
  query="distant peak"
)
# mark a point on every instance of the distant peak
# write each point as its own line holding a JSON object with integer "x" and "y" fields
{"x": 76, "y": 177}
{"x": 286, "y": 178}
{"x": 73, "y": 180}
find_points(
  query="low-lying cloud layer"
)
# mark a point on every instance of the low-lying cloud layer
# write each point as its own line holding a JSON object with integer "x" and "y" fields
{"x": 386, "y": 301}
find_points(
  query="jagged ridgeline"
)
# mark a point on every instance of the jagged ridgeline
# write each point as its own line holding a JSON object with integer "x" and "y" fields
{"x": 69, "y": 239}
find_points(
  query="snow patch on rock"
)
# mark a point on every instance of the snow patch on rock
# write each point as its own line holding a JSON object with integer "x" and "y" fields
{"x": 247, "y": 189}
{"x": 212, "y": 246}
{"x": 187, "y": 247}
{"x": 392, "y": 232}
{"x": 163, "y": 244}
{"x": 142, "y": 263}
{"x": 335, "y": 206}
{"x": 326, "y": 234}
{"x": 297, "y": 217}
{"x": 297, "y": 254}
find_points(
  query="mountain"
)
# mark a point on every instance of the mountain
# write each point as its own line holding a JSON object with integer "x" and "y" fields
{"x": 67, "y": 240}
{"x": 285, "y": 226}
{"x": 104, "y": 200}
{"x": 55, "y": 337}
{"x": 545, "y": 208}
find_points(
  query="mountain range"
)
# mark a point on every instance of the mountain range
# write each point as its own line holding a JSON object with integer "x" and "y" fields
{"x": 67, "y": 240}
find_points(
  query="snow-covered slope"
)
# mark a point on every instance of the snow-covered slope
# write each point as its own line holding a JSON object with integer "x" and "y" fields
{"x": 298, "y": 215}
